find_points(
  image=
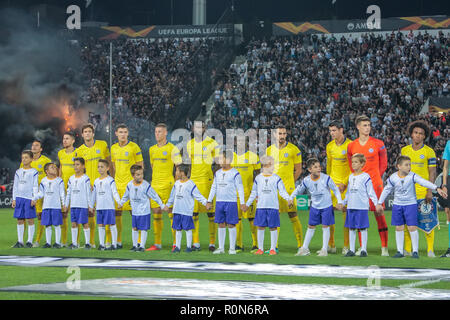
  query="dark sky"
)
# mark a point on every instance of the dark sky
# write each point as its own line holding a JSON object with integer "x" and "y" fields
{"x": 146, "y": 12}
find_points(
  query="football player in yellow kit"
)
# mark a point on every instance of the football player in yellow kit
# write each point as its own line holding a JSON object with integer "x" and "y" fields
{"x": 423, "y": 163}
{"x": 91, "y": 151}
{"x": 203, "y": 152}
{"x": 288, "y": 165}
{"x": 66, "y": 170}
{"x": 338, "y": 169}
{"x": 248, "y": 166}
{"x": 124, "y": 154}
{"x": 164, "y": 156}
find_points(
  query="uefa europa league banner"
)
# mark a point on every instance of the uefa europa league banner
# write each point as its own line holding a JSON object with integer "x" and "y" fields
{"x": 152, "y": 32}
{"x": 346, "y": 26}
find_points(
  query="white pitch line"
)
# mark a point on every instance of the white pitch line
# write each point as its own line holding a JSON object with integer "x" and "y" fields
{"x": 194, "y": 289}
{"x": 242, "y": 268}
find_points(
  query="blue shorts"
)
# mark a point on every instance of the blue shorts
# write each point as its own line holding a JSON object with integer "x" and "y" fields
{"x": 357, "y": 219}
{"x": 140, "y": 222}
{"x": 51, "y": 217}
{"x": 402, "y": 215}
{"x": 79, "y": 215}
{"x": 23, "y": 209}
{"x": 267, "y": 218}
{"x": 321, "y": 216}
{"x": 226, "y": 212}
{"x": 182, "y": 222}
{"x": 106, "y": 217}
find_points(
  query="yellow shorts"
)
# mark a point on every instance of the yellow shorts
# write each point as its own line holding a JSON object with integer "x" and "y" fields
{"x": 163, "y": 192}
{"x": 250, "y": 213}
{"x": 334, "y": 199}
{"x": 284, "y": 204}
{"x": 126, "y": 206}
{"x": 204, "y": 188}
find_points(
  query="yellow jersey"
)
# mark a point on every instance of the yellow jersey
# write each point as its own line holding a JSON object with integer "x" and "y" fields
{"x": 66, "y": 165}
{"x": 123, "y": 158}
{"x": 39, "y": 166}
{"x": 202, "y": 155}
{"x": 246, "y": 164}
{"x": 421, "y": 160}
{"x": 285, "y": 159}
{"x": 163, "y": 160}
{"x": 338, "y": 167}
{"x": 91, "y": 155}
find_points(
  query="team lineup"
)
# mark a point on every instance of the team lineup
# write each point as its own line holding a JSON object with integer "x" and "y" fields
{"x": 95, "y": 185}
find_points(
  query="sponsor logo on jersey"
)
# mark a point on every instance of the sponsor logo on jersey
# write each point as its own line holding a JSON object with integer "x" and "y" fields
{"x": 370, "y": 150}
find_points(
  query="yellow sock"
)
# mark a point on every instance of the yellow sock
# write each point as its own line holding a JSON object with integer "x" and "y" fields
{"x": 139, "y": 236}
{"x": 278, "y": 235}
{"x": 212, "y": 231}
{"x": 430, "y": 240}
{"x": 119, "y": 229}
{"x": 253, "y": 230}
{"x": 408, "y": 243}
{"x": 157, "y": 227}
{"x": 64, "y": 231}
{"x": 346, "y": 233}
{"x": 297, "y": 226}
{"x": 195, "y": 233}
{"x": 91, "y": 222}
{"x": 108, "y": 234}
{"x": 80, "y": 227}
{"x": 239, "y": 234}
{"x": 40, "y": 231}
{"x": 173, "y": 231}
{"x": 346, "y": 237}
{"x": 331, "y": 243}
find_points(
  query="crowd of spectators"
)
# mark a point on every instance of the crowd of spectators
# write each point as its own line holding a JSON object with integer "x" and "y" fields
{"x": 150, "y": 78}
{"x": 306, "y": 82}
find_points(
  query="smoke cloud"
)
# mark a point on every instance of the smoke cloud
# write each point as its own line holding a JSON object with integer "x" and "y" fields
{"x": 40, "y": 85}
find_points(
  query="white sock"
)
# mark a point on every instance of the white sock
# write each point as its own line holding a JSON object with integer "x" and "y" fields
{"x": 113, "y": 229}
{"x": 189, "y": 238}
{"x": 58, "y": 235}
{"x": 415, "y": 240}
{"x": 134, "y": 237}
{"x": 273, "y": 239}
{"x": 232, "y": 233}
{"x": 48, "y": 234}
{"x": 261, "y": 239}
{"x": 399, "y": 238}
{"x": 178, "y": 236}
{"x": 101, "y": 235}
{"x": 143, "y": 238}
{"x": 308, "y": 237}
{"x": 75, "y": 236}
{"x": 222, "y": 235}
{"x": 325, "y": 238}
{"x": 87, "y": 235}
{"x": 364, "y": 240}
{"x": 30, "y": 233}
{"x": 352, "y": 239}
{"x": 20, "y": 231}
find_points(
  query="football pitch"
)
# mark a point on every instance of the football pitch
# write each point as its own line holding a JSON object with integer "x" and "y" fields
{"x": 170, "y": 266}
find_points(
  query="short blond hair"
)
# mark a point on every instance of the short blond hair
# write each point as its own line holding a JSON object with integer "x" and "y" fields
{"x": 361, "y": 158}
{"x": 266, "y": 160}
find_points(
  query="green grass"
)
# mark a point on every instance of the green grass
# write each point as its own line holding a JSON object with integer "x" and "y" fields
{"x": 287, "y": 245}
